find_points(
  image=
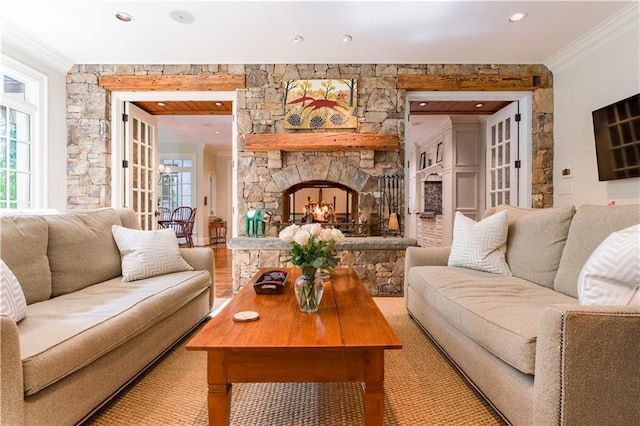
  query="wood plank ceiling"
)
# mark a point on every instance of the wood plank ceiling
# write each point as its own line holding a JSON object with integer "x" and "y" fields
{"x": 186, "y": 107}
{"x": 456, "y": 107}
{"x": 417, "y": 107}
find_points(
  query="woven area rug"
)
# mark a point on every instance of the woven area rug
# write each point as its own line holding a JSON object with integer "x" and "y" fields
{"x": 421, "y": 388}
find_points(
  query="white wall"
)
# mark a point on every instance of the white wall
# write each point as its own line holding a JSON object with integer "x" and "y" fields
{"x": 603, "y": 69}
{"x": 224, "y": 191}
{"x": 55, "y": 69}
{"x": 169, "y": 145}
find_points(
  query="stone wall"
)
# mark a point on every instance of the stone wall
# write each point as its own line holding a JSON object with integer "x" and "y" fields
{"x": 260, "y": 185}
{"x": 380, "y": 270}
{"x": 260, "y": 110}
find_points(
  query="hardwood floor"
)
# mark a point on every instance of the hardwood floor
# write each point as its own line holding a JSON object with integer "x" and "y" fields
{"x": 223, "y": 270}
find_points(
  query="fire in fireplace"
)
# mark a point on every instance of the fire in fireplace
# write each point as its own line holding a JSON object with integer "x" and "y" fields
{"x": 319, "y": 201}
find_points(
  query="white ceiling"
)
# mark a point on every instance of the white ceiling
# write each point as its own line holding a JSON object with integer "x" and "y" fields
{"x": 86, "y": 31}
{"x": 212, "y": 130}
{"x": 261, "y": 32}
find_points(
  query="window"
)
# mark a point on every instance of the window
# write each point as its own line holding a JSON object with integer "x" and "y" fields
{"x": 175, "y": 187}
{"x": 22, "y": 149}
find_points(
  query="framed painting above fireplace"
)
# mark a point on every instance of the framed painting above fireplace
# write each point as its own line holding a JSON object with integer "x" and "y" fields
{"x": 320, "y": 104}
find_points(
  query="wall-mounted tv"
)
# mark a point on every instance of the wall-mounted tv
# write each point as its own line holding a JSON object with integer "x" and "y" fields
{"x": 617, "y": 132}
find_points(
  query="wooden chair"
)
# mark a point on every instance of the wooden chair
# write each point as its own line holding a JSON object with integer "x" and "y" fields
{"x": 179, "y": 222}
{"x": 181, "y": 213}
{"x": 163, "y": 214}
{"x": 189, "y": 230}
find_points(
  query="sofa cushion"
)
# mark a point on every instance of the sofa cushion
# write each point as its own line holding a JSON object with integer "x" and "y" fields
{"x": 536, "y": 240}
{"x": 498, "y": 312}
{"x": 148, "y": 253}
{"x": 477, "y": 245}
{"x": 81, "y": 250}
{"x": 589, "y": 227}
{"x": 24, "y": 250}
{"x": 12, "y": 301}
{"x": 64, "y": 334}
{"x": 611, "y": 276}
{"x": 128, "y": 217}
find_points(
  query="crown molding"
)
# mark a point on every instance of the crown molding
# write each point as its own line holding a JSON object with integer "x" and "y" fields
{"x": 624, "y": 20}
{"x": 33, "y": 47}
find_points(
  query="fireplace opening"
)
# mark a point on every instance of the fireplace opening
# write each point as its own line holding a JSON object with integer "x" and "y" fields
{"x": 325, "y": 202}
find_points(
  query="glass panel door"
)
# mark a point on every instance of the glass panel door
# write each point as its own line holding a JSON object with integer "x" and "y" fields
{"x": 140, "y": 152}
{"x": 502, "y": 178}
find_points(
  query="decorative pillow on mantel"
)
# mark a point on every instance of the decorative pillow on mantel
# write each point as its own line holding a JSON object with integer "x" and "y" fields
{"x": 147, "y": 254}
{"x": 611, "y": 276}
{"x": 477, "y": 245}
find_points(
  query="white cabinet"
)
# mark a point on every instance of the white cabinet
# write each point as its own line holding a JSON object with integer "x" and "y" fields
{"x": 430, "y": 231}
{"x": 462, "y": 179}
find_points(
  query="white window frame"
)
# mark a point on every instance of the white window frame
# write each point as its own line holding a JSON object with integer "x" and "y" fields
{"x": 36, "y": 91}
{"x": 193, "y": 170}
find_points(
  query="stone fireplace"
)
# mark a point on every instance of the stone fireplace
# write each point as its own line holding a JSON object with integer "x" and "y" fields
{"x": 345, "y": 181}
{"x": 285, "y": 183}
{"x": 322, "y": 201}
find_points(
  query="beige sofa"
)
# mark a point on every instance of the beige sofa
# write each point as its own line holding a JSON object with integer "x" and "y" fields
{"x": 524, "y": 341}
{"x": 87, "y": 333}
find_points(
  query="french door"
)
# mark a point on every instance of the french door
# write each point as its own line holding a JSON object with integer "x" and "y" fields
{"x": 139, "y": 165}
{"x": 502, "y": 157}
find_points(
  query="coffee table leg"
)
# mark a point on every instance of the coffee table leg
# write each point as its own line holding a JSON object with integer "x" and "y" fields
{"x": 219, "y": 396}
{"x": 373, "y": 388}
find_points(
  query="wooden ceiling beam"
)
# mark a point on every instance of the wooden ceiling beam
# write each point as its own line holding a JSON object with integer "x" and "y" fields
{"x": 483, "y": 82}
{"x": 170, "y": 83}
{"x": 320, "y": 142}
{"x": 198, "y": 112}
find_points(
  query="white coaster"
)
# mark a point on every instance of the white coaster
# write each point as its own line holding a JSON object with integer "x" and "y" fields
{"x": 246, "y": 316}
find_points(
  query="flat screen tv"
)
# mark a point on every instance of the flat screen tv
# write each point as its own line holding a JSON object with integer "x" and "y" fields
{"x": 617, "y": 133}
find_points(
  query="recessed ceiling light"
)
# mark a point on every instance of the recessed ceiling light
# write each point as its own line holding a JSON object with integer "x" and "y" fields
{"x": 161, "y": 104}
{"x": 422, "y": 104}
{"x": 346, "y": 38}
{"x": 207, "y": 124}
{"x": 182, "y": 16}
{"x": 297, "y": 39}
{"x": 479, "y": 105}
{"x": 217, "y": 132}
{"x": 518, "y": 16}
{"x": 124, "y": 17}
{"x": 218, "y": 104}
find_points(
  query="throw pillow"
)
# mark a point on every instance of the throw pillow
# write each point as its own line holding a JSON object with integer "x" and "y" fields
{"x": 534, "y": 255}
{"x": 12, "y": 301}
{"x": 148, "y": 253}
{"x": 476, "y": 245}
{"x": 611, "y": 275}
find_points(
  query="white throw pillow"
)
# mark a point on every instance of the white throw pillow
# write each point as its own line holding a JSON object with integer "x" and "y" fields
{"x": 12, "y": 301}
{"x": 148, "y": 253}
{"x": 611, "y": 275}
{"x": 477, "y": 245}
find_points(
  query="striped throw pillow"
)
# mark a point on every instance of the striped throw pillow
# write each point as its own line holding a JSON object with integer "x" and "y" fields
{"x": 12, "y": 301}
{"x": 477, "y": 245}
{"x": 611, "y": 275}
{"x": 147, "y": 254}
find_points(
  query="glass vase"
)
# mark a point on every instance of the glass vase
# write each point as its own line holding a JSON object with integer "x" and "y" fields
{"x": 309, "y": 290}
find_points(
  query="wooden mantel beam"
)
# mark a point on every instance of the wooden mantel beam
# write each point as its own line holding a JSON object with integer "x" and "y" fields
{"x": 483, "y": 82}
{"x": 320, "y": 142}
{"x": 171, "y": 83}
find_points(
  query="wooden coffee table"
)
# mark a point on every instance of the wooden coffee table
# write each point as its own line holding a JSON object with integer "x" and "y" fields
{"x": 343, "y": 342}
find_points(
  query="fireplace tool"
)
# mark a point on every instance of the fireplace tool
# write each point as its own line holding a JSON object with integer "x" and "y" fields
{"x": 392, "y": 193}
